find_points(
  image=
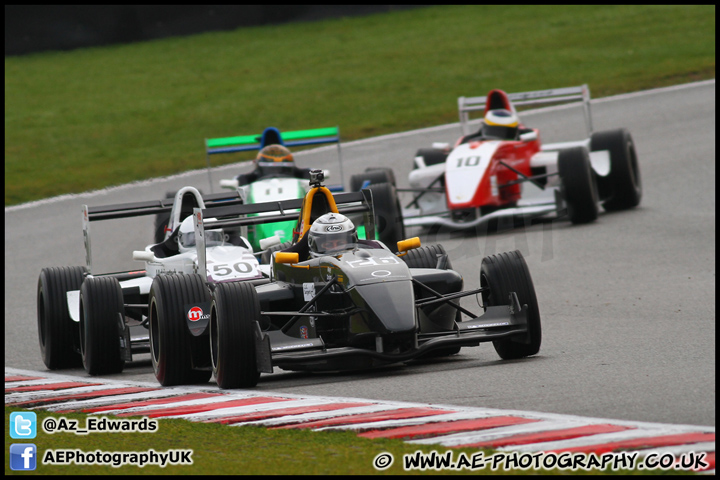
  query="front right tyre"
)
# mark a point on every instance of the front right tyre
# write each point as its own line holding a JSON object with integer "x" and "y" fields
{"x": 622, "y": 186}
{"x": 172, "y": 346}
{"x": 101, "y": 308}
{"x": 431, "y": 156}
{"x": 425, "y": 256}
{"x": 579, "y": 185}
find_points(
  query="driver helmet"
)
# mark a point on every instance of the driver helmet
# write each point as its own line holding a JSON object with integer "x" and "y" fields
{"x": 275, "y": 160}
{"x": 332, "y": 232}
{"x": 186, "y": 236}
{"x": 500, "y": 124}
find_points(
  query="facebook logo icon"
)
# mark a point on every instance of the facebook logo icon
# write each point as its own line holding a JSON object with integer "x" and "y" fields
{"x": 23, "y": 456}
{"x": 23, "y": 425}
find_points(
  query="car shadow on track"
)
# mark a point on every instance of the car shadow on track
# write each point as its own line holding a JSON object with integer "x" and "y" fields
{"x": 287, "y": 379}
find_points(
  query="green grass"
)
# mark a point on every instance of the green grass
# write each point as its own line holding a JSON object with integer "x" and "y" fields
{"x": 90, "y": 118}
{"x": 224, "y": 450}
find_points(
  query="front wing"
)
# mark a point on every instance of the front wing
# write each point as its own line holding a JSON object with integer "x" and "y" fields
{"x": 535, "y": 210}
{"x": 275, "y": 349}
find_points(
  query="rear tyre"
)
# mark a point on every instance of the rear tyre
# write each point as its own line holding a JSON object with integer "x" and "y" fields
{"x": 431, "y": 156}
{"x": 389, "y": 174}
{"x": 388, "y": 215}
{"x": 172, "y": 346}
{"x": 235, "y": 309}
{"x": 504, "y": 273}
{"x": 425, "y": 256}
{"x": 101, "y": 307}
{"x": 58, "y": 334}
{"x": 373, "y": 176}
{"x": 623, "y": 186}
{"x": 578, "y": 184}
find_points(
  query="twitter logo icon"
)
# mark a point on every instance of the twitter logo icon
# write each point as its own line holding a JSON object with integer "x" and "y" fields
{"x": 23, "y": 425}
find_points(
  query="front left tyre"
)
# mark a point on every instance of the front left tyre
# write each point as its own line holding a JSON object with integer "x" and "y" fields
{"x": 235, "y": 309}
{"x": 58, "y": 334}
{"x": 504, "y": 273}
{"x": 372, "y": 175}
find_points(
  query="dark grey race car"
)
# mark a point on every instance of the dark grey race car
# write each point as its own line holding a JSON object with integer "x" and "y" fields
{"x": 364, "y": 307}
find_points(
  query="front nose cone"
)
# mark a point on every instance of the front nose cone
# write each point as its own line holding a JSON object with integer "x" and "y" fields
{"x": 391, "y": 305}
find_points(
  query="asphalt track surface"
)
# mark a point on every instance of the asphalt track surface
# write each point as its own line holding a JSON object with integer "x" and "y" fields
{"x": 627, "y": 303}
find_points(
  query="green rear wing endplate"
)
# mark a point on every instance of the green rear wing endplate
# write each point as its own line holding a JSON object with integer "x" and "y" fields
{"x": 295, "y": 138}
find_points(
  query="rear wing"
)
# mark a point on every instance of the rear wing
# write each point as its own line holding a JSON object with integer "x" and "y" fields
{"x": 296, "y": 138}
{"x": 137, "y": 209}
{"x": 226, "y": 216}
{"x": 537, "y": 97}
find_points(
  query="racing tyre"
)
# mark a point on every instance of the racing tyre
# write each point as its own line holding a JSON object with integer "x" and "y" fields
{"x": 432, "y": 156}
{"x": 504, "y": 273}
{"x": 622, "y": 187}
{"x": 578, "y": 184}
{"x": 389, "y": 174}
{"x": 235, "y": 309}
{"x": 373, "y": 176}
{"x": 57, "y": 332}
{"x": 425, "y": 257}
{"x": 388, "y": 215}
{"x": 172, "y": 346}
{"x": 267, "y": 255}
{"x": 101, "y": 308}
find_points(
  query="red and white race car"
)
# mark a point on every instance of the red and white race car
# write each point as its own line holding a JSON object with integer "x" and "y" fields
{"x": 503, "y": 171}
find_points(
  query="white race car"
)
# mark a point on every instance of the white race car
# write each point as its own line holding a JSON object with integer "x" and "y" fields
{"x": 503, "y": 171}
{"x": 102, "y": 319}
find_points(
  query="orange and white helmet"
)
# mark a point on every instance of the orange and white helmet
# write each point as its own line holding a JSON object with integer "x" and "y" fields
{"x": 275, "y": 159}
{"x": 500, "y": 124}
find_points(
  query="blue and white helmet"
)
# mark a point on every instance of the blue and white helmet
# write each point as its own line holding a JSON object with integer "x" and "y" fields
{"x": 332, "y": 232}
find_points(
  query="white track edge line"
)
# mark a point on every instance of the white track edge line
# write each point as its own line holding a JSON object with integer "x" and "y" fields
{"x": 380, "y": 138}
